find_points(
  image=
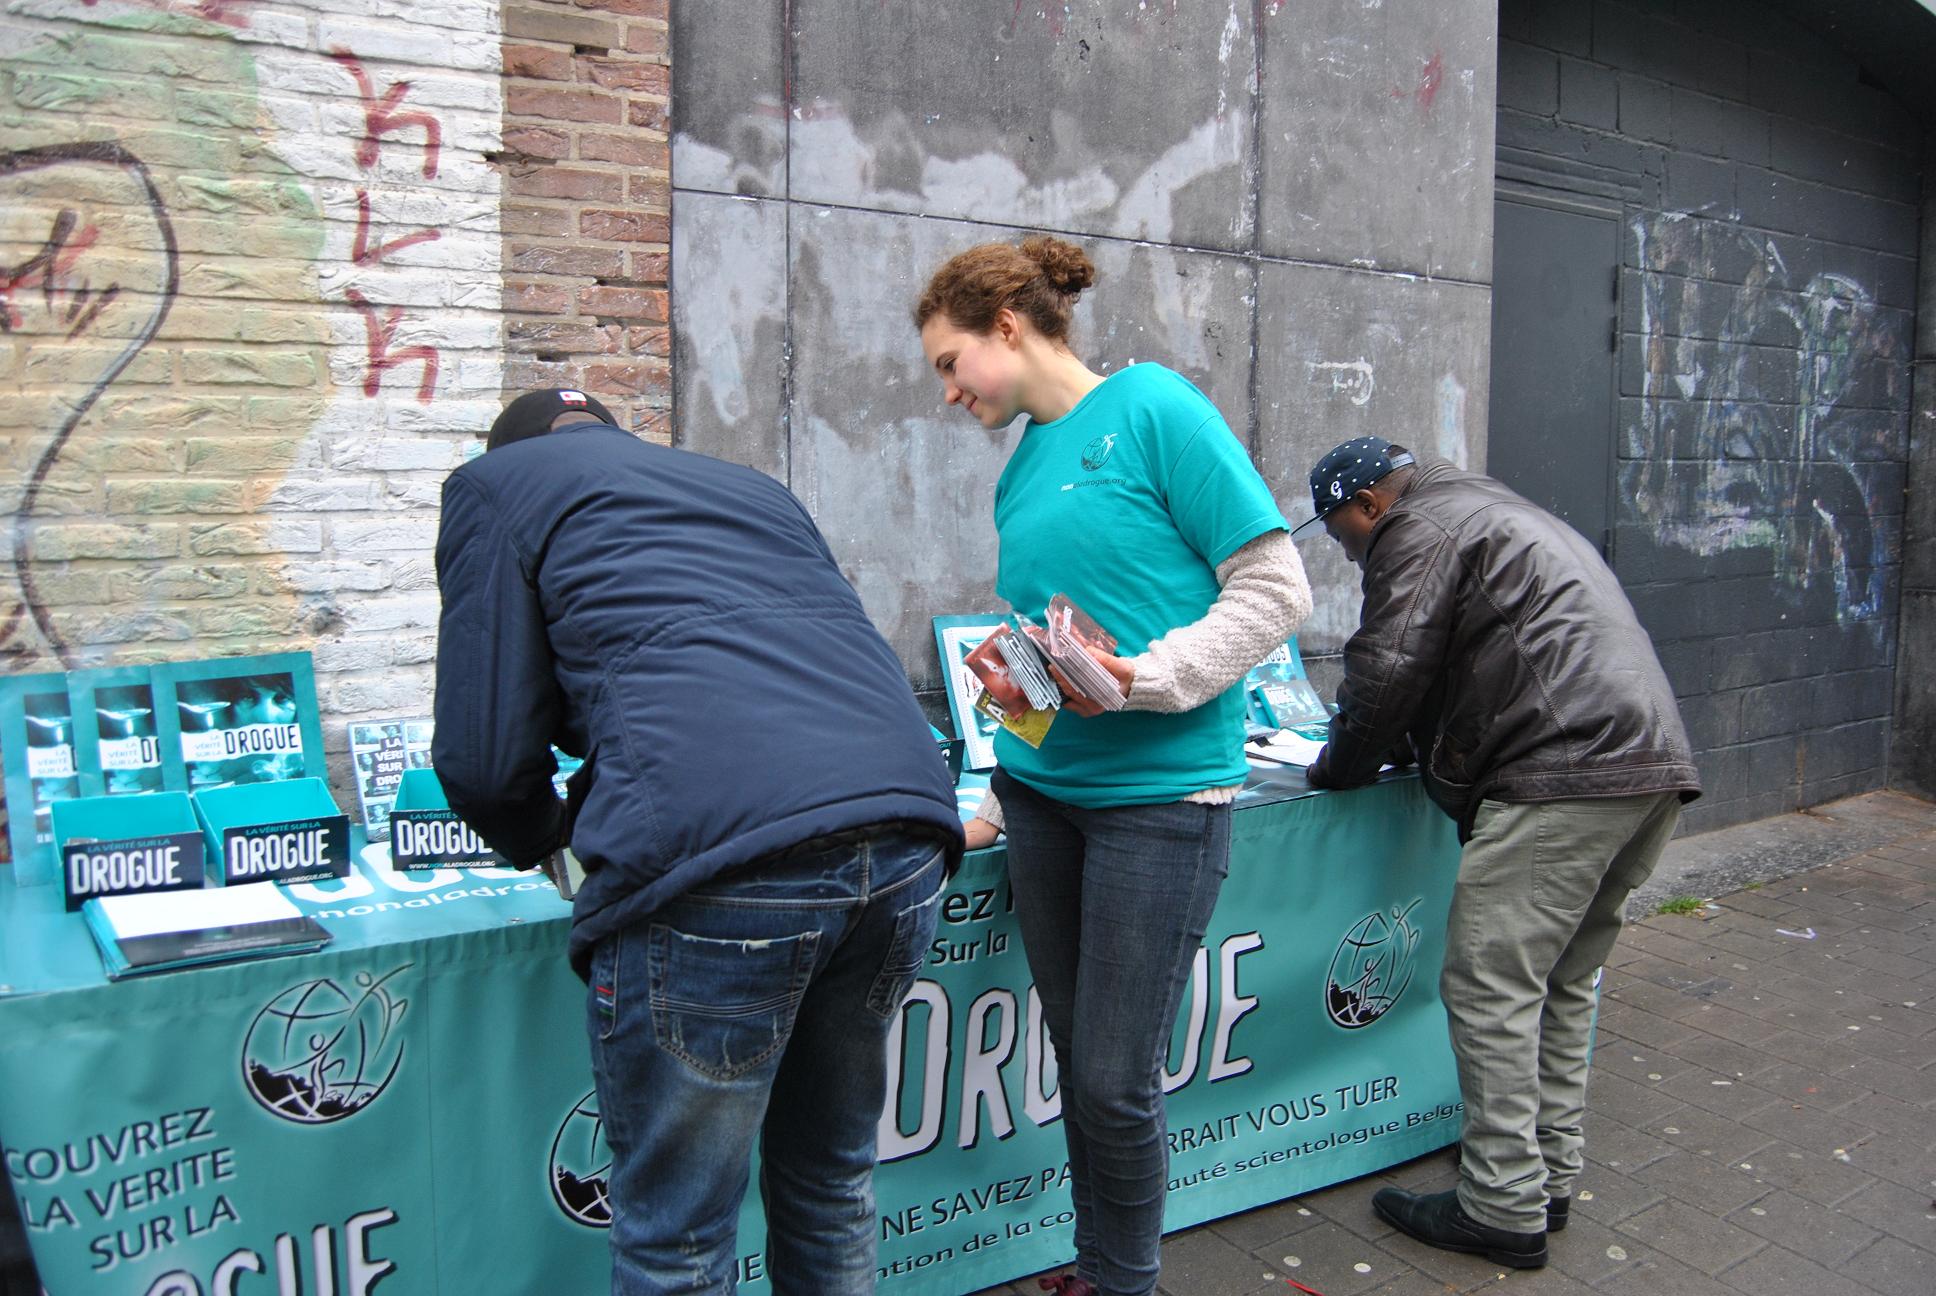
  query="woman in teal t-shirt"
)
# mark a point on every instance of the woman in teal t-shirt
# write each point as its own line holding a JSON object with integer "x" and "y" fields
{"x": 1130, "y": 495}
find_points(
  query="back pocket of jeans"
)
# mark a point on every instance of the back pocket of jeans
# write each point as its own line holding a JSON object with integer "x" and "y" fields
{"x": 724, "y": 1007}
{"x": 913, "y": 929}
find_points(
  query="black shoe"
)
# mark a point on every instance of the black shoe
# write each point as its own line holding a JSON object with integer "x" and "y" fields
{"x": 1557, "y": 1209}
{"x": 1437, "y": 1219}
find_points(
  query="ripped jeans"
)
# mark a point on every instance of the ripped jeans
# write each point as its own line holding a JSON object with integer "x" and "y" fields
{"x": 758, "y": 1006}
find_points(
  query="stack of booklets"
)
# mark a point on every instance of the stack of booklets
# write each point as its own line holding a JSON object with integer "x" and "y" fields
{"x": 175, "y": 929}
{"x": 1013, "y": 662}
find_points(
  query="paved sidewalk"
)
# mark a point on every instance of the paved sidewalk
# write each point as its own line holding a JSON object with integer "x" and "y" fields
{"x": 1762, "y": 1116}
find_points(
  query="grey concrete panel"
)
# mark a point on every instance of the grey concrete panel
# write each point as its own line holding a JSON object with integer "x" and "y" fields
{"x": 729, "y": 96}
{"x": 729, "y": 306}
{"x": 1376, "y": 135}
{"x": 1130, "y": 118}
{"x": 1342, "y": 354}
{"x": 902, "y": 485}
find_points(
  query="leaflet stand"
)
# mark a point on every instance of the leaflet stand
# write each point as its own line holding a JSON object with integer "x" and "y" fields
{"x": 274, "y": 832}
{"x": 425, "y": 833}
{"x": 125, "y": 845}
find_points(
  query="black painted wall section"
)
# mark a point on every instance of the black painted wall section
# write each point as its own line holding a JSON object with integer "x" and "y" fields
{"x": 1769, "y": 196}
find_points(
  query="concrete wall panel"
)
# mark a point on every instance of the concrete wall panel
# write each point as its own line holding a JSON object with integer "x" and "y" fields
{"x": 1376, "y": 134}
{"x": 1342, "y": 354}
{"x": 729, "y": 97}
{"x": 1089, "y": 116}
{"x": 729, "y": 311}
{"x": 903, "y": 485}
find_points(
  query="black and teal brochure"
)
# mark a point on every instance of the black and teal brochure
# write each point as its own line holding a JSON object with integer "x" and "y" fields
{"x": 117, "y": 740}
{"x": 127, "y": 845}
{"x": 425, "y": 833}
{"x": 380, "y": 751}
{"x": 240, "y": 720}
{"x": 274, "y": 832}
{"x": 37, "y": 743}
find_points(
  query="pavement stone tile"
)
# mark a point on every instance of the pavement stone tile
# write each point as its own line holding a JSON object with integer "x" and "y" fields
{"x": 1592, "y": 1253}
{"x": 1893, "y": 1117}
{"x": 1777, "y": 1271}
{"x": 1883, "y": 961}
{"x": 1200, "y": 1263}
{"x": 1724, "y": 1095}
{"x": 1263, "y": 1227}
{"x": 1824, "y": 1235}
{"x": 1327, "y": 1258}
{"x": 1711, "y": 1053}
{"x": 1883, "y": 1076}
{"x": 1614, "y": 1055}
{"x": 1822, "y": 1020}
{"x": 1620, "y": 1146}
{"x": 1348, "y": 1205}
{"x": 1706, "y": 1183}
{"x": 1896, "y": 1210}
{"x": 1881, "y": 1042}
{"x": 1808, "y": 1127}
{"x": 1728, "y": 1024}
{"x": 1650, "y": 995}
{"x": 1694, "y": 1237}
{"x": 1607, "y": 1196}
{"x": 1449, "y": 1268}
{"x": 1662, "y": 1276}
{"x": 1629, "y": 1101}
{"x": 1809, "y": 1086}
{"x": 1897, "y": 1160}
{"x": 1705, "y": 1134}
{"x": 1643, "y": 1027}
{"x": 1894, "y": 1267}
{"x": 1819, "y": 1176}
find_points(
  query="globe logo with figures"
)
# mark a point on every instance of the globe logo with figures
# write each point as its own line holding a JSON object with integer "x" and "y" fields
{"x": 1096, "y": 453}
{"x": 321, "y": 1052}
{"x": 1372, "y": 967}
{"x": 581, "y": 1166}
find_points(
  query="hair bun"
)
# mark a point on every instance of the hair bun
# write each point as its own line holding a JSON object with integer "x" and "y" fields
{"x": 1066, "y": 266}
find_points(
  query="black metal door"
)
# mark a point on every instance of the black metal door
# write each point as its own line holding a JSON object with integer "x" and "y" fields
{"x": 1555, "y": 285}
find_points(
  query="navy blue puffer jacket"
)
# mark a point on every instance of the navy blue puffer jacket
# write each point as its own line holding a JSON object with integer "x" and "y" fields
{"x": 679, "y": 621}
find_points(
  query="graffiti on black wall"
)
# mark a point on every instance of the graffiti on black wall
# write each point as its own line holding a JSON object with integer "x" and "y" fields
{"x": 1768, "y": 394}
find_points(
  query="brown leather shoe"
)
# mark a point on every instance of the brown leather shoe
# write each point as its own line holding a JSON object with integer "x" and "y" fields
{"x": 1437, "y": 1219}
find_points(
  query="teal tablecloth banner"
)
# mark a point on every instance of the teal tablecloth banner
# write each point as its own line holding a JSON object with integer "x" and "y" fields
{"x": 411, "y": 1110}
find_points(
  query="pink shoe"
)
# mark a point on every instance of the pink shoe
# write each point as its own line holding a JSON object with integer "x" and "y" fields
{"x": 1067, "y": 1285}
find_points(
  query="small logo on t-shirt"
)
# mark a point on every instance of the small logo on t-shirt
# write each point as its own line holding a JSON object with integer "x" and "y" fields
{"x": 1096, "y": 453}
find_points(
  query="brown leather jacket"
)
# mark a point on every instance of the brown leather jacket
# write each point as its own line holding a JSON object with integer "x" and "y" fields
{"x": 1497, "y": 638}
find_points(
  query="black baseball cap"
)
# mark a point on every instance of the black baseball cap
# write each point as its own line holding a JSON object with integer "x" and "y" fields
{"x": 1347, "y": 470}
{"x": 532, "y": 414}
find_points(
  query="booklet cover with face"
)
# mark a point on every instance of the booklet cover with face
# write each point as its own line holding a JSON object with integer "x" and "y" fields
{"x": 37, "y": 745}
{"x": 240, "y": 720}
{"x": 117, "y": 735}
{"x": 380, "y": 752}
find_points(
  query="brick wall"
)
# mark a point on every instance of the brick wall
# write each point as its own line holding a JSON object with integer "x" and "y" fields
{"x": 587, "y": 204}
{"x": 1769, "y": 202}
{"x": 267, "y": 270}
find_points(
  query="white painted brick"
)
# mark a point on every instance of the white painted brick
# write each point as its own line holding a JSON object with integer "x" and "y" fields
{"x": 323, "y": 495}
{"x": 336, "y": 656}
{"x": 416, "y": 574}
{"x": 410, "y": 46}
{"x": 395, "y": 692}
{"x": 391, "y": 613}
{"x": 329, "y": 577}
{"x": 394, "y": 455}
{"x": 391, "y": 535}
{"x": 427, "y": 493}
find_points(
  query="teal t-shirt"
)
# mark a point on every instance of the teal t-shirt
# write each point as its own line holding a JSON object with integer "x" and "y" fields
{"x": 1126, "y": 504}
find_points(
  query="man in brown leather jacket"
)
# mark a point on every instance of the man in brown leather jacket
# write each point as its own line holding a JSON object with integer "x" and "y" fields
{"x": 1497, "y": 644}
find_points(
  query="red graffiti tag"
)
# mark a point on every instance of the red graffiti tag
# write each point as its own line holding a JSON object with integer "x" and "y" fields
{"x": 52, "y": 264}
{"x": 360, "y": 250}
{"x": 1430, "y": 78}
{"x": 212, "y": 10}
{"x": 381, "y": 333}
{"x": 380, "y": 116}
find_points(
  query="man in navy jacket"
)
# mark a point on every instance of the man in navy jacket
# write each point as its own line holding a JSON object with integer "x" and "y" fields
{"x": 763, "y": 818}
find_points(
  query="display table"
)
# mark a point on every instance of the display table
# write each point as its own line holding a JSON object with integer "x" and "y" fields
{"x": 411, "y": 1109}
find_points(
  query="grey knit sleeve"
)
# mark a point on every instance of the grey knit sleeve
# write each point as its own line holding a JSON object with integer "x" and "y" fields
{"x": 1265, "y": 597}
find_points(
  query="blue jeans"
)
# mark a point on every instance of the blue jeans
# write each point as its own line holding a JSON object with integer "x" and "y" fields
{"x": 758, "y": 1006}
{"x": 1113, "y": 905}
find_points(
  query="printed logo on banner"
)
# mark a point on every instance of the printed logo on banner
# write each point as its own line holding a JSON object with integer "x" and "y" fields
{"x": 581, "y": 1163}
{"x": 1373, "y": 965}
{"x": 318, "y": 1053}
